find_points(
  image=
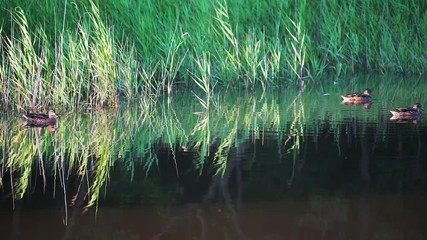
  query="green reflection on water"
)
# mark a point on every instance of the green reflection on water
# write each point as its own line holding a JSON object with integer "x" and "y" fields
{"x": 88, "y": 145}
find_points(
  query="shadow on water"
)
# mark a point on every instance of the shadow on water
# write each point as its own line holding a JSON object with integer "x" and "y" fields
{"x": 251, "y": 166}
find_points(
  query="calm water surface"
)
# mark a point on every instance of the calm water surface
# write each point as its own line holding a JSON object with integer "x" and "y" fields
{"x": 254, "y": 166}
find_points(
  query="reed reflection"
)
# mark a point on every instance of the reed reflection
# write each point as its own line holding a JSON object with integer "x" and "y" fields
{"x": 224, "y": 141}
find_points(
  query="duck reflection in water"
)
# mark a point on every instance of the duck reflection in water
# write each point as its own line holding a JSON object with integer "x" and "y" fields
{"x": 366, "y": 105}
{"x": 51, "y": 128}
{"x": 410, "y": 120}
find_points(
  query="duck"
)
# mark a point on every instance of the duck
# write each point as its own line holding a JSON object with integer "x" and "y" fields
{"x": 40, "y": 119}
{"x": 358, "y": 97}
{"x": 407, "y": 112}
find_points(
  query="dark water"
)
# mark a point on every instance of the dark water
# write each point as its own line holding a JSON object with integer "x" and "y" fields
{"x": 254, "y": 166}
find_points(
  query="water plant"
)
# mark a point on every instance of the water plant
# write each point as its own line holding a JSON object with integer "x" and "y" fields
{"x": 91, "y": 55}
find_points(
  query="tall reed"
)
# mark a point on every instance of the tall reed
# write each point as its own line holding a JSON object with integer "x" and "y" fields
{"x": 91, "y": 55}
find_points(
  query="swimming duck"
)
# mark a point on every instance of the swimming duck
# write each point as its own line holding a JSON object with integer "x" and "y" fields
{"x": 40, "y": 119}
{"x": 358, "y": 97}
{"x": 407, "y": 112}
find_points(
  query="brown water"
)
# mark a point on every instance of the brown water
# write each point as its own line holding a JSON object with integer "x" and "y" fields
{"x": 314, "y": 217}
{"x": 274, "y": 168}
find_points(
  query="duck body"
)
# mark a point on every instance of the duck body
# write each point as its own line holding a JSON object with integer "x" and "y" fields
{"x": 40, "y": 119}
{"x": 364, "y": 97}
{"x": 407, "y": 112}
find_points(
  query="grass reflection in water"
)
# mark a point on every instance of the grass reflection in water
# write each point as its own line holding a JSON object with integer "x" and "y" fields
{"x": 86, "y": 147}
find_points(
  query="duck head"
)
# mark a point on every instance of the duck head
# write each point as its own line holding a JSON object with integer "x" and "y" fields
{"x": 417, "y": 106}
{"x": 52, "y": 114}
{"x": 367, "y": 91}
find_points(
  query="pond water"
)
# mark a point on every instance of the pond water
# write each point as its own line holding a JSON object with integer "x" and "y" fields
{"x": 254, "y": 166}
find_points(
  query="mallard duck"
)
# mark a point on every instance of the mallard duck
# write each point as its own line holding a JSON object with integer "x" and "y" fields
{"x": 40, "y": 119}
{"x": 358, "y": 97}
{"x": 407, "y": 112}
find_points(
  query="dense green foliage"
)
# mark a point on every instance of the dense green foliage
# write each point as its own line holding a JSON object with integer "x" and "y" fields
{"x": 66, "y": 53}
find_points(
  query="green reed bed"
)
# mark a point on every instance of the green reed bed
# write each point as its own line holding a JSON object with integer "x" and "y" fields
{"x": 93, "y": 54}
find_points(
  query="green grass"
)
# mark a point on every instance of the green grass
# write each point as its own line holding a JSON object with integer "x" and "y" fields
{"x": 94, "y": 54}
